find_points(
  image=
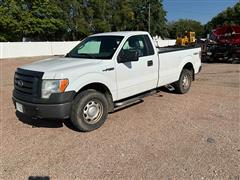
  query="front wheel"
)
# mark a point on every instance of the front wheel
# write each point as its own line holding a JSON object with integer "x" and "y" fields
{"x": 89, "y": 110}
{"x": 183, "y": 85}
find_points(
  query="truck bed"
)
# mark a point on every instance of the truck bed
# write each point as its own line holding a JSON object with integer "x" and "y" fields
{"x": 176, "y": 48}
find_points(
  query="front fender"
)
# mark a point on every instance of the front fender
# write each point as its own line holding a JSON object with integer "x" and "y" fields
{"x": 78, "y": 83}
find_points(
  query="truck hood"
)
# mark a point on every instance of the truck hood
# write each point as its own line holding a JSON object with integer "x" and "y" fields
{"x": 60, "y": 63}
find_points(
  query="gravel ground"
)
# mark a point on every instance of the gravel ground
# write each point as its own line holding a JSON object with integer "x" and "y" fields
{"x": 168, "y": 136}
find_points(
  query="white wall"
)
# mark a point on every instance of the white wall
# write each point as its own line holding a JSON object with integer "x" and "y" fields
{"x": 30, "y": 49}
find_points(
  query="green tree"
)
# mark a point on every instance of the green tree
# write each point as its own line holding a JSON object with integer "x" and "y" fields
{"x": 41, "y": 19}
{"x": 157, "y": 16}
{"x": 98, "y": 15}
{"x": 121, "y": 15}
{"x": 75, "y": 19}
{"x": 230, "y": 16}
{"x": 36, "y": 19}
{"x": 9, "y": 21}
{"x": 179, "y": 27}
{"x": 73, "y": 16}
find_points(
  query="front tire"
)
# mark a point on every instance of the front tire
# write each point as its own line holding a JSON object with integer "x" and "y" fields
{"x": 89, "y": 110}
{"x": 183, "y": 85}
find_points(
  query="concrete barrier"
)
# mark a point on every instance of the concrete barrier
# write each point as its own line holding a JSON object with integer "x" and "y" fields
{"x": 31, "y": 49}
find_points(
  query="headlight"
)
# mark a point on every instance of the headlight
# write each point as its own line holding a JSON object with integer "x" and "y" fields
{"x": 53, "y": 86}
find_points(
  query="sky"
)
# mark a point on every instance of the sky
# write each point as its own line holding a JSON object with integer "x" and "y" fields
{"x": 200, "y": 10}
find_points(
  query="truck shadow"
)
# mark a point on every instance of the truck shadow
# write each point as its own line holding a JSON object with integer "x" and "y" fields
{"x": 57, "y": 123}
{"x": 165, "y": 90}
{"x": 53, "y": 123}
{"x": 45, "y": 123}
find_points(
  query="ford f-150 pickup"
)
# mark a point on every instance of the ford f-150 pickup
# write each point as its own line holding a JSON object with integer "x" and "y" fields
{"x": 103, "y": 72}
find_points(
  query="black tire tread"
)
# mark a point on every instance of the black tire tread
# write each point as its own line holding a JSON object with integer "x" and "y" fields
{"x": 177, "y": 85}
{"x": 78, "y": 122}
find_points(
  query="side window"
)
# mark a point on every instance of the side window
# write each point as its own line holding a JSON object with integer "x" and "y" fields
{"x": 149, "y": 45}
{"x": 136, "y": 43}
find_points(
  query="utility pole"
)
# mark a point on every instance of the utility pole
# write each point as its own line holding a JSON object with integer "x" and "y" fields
{"x": 149, "y": 17}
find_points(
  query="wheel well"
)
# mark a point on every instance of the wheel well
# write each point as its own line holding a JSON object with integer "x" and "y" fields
{"x": 189, "y": 67}
{"x": 102, "y": 89}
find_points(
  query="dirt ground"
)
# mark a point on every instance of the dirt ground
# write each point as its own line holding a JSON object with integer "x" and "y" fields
{"x": 168, "y": 136}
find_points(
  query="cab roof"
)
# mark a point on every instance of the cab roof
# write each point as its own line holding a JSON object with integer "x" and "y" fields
{"x": 121, "y": 33}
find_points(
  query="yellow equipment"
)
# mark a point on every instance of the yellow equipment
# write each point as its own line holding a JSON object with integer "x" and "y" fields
{"x": 187, "y": 39}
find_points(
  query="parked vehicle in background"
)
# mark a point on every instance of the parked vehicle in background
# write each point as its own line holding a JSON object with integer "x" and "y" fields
{"x": 104, "y": 72}
{"x": 223, "y": 45}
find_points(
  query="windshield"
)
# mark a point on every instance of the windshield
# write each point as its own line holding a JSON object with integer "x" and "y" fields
{"x": 96, "y": 47}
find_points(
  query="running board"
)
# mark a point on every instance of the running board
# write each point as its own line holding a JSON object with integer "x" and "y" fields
{"x": 126, "y": 102}
{"x": 134, "y": 99}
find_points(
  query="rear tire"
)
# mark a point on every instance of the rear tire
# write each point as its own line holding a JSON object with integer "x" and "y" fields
{"x": 183, "y": 85}
{"x": 89, "y": 110}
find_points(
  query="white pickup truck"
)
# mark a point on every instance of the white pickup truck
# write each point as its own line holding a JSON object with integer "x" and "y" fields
{"x": 103, "y": 72}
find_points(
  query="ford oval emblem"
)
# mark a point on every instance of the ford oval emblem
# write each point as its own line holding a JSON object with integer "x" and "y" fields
{"x": 20, "y": 83}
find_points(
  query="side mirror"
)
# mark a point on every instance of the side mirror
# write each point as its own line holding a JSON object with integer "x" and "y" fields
{"x": 127, "y": 56}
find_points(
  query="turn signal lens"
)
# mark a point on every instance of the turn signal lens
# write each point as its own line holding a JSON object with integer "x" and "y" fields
{"x": 63, "y": 85}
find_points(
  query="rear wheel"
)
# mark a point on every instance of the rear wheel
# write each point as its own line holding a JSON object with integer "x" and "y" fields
{"x": 183, "y": 85}
{"x": 89, "y": 111}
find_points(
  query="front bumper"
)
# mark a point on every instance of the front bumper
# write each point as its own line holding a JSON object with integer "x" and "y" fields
{"x": 48, "y": 111}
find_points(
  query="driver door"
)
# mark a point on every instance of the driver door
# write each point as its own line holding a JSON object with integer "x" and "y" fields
{"x": 139, "y": 76}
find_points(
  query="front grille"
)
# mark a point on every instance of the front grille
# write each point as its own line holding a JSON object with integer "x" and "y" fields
{"x": 24, "y": 83}
{"x": 27, "y": 82}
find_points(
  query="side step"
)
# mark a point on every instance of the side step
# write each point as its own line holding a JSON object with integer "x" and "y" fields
{"x": 134, "y": 99}
{"x": 126, "y": 102}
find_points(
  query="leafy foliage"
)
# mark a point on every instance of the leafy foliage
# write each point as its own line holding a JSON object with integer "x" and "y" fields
{"x": 75, "y": 19}
{"x": 9, "y": 24}
{"x": 230, "y": 16}
{"x": 179, "y": 27}
{"x": 140, "y": 19}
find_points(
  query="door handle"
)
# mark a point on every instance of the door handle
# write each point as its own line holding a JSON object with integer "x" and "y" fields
{"x": 150, "y": 63}
{"x": 108, "y": 69}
